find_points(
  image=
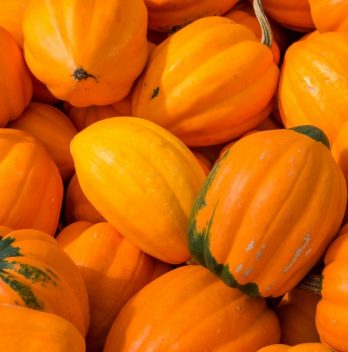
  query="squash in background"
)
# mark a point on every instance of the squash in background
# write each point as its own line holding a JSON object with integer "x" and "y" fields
{"x": 170, "y": 15}
{"x": 30, "y": 185}
{"x": 76, "y": 205}
{"x": 15, "y": 84}
{"x": 142, "y": 180}
{"x": 260, "y": 221}
{"x": 189, "y": 310}
{"x": 23, "y": 329}
{"x": 113, "y": 270}
{"x": 296, "y": 314}
{"x": 330, "y": 15}
{"x": 199, "y": 82}
{"x": 37, "y": 274}
{"x": 96, "y": 48}
{"x": 305, "y": 347}
{"x": 54, "y": 129}
{"x": 313, "y": 87}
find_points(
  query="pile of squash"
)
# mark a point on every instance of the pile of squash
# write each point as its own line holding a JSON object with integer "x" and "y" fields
{"x": 173, "y": 175}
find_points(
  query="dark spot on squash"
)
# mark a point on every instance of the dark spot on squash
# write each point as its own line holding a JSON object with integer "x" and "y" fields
{"x": 155, "y": 92}
{"x": 80, "y": 74}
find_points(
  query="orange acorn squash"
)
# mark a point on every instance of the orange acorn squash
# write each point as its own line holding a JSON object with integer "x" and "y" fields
{"x": 189, "y": 310}
{"x": 51, "y": 127}
{"x": 199, "y": 82}
{"x": 96, "y": 48}
{"x": 76, "y": 205}
{"x": 170, "y": 15}
{"x": 23, "y": 329}
{"x": 30, "y": 185}
{"x": 294, "y": 14}
{"x": 340, "y": 149}
{"x": 305, "y": 347}
{"x": 313, "y": 87}
{"x": 330, "y": 15}
{"x": 332, "y": 310}
{"x": 296, "y": 314}
{"x": 83, "y": 117}
{"x": 37, "y": 274}
{"x": 113, "y": 270}
{"x": 257, "y": 233}
{"x": 15, "y": 84}
{"x": 142, "y": 180}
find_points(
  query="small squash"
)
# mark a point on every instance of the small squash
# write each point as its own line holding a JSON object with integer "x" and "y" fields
{"x": 304, "y": 347}
{"x": 170, "y": 15}
{"x": 16, "y": 88}
{"x": 37, "y": 274}
{"x": 199, "y": 82}
{"x": 113, "y": 270}
{"x": 54, "y": 129}
{"x": 76, "y": 205}
{"x": 330, "y": 15}
{"x": 23, "y": 329}
{"x": 142, "y": 180}
{"x": 259, "y": 234}
{"x": 313, "y": 87}
{"x": 296, "y": 314}
{"x": 30, "y": 185}
{"x": 189, "y": 310}
{"x": 96, "y": 48}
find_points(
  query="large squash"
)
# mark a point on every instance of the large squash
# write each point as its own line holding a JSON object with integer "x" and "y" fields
{"x": 142, "y": 180}
{"x": 313, "y": 87}
{"x": 305, "y": 347}
{"x": 113, "y": 270}
{"x": 189, "y": 310}
{"x": 36, "y": 273}
{"x": 30, "y": 184}
{"x": 24, "y": 329}
{"x": 330, "y": 15}
{"x": 87, "y": 52}
{"x": 16, "y": 88}
{"x": 332, "y": 310}
{"x": 199, "y": 82}
{"x": 51, "y": 127}
{"x": 170, "y": 15}
{"x": 260, "y": 221}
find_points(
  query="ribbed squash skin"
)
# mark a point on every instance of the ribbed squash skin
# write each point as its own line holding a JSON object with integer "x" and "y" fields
{"x": 296, "y": 314}
{"x": 168, "y": 15}
{"x": 142, "y": 180}
{"x": 96, "y": 50}
{"x": 260, "y": 221}
{"x": 246, "y": 17}
{"x": 83, "y": 117}
{"x": 15, "y": 84}
{"x": 113, "y": 270}
{"x": 189, "y": 310}
{"x": 76, "y": 205}
{"x": 340, "y": 149}
{"x": 51, "y": 127}
{"x": 30, "y": 185}
{"x": 305, "y": 347}
{"x": 11, "y": 17}
{"x": 332, "y": 311}
{"x": 41, "y": 94}
{"x": 36, "y": 273}
{"x": 330, "y": 15}
{"x": 199, "y": 82}
{"x": 294, "y": 14}
{"x": 313, "y": 87}
{"x": 23, "y": 329}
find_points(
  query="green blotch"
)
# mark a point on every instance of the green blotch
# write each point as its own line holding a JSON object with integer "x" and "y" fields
{"x": 199, "y": 240}
{"x": 155, "y": 92}
{"x": 35, "y": 275}
{"x": 313, "y": 132}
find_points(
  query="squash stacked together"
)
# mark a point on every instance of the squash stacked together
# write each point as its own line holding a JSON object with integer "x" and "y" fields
{"x": 173, "y": 175}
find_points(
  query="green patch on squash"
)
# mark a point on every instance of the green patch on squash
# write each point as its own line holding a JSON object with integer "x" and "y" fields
{"x": 199, "y": 240}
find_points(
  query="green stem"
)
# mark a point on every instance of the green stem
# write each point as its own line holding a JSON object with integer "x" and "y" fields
{"x": 266, "y": 38}
{"x": 311, "y": 283}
